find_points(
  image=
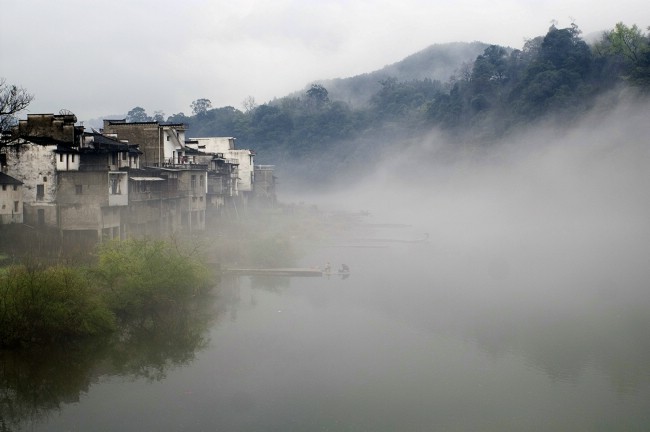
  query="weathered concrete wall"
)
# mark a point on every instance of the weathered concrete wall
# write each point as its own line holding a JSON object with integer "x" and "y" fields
{"x": 59, "y": 128}
{"x": 245, "y": 158}
{"x": 146, "y": 134}
{"x": 79, "y": 187}
{"x": 48, "y": 211}
{"x": 10, "y": 212}
{"x": 80, "y": 217}
{"x": 33, "y": 165}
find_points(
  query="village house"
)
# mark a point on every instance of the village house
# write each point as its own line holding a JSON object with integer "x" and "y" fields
{"x": 32, "y": 160}
{"x": 11, "y": 199}
{"x": 222, "y": 180}
{"x": 226, "y": 147}
{"x": 161, "y": 143}
{"x": 129, "y": 179}
{"x": 73, "y": 182}
{"x": 233, "y": 171}
{"x": 179, "y": 202}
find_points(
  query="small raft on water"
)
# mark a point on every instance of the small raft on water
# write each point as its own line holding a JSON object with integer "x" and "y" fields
{"x": 276, "y": 271}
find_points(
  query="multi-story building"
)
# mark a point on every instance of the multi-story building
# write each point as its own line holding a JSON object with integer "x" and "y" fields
{"x": 226, "y": 147}
{"x": 32, "y": 159}
{"x": 94, "y": 186}
{"x": 180, "y": 200}
{"x": 161, "y": 143}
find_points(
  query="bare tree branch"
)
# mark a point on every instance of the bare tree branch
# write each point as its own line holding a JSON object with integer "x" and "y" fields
{"x": 13, "y": 100}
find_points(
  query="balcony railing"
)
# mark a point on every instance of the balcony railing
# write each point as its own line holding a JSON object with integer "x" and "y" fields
{"x": 184, "y": 166}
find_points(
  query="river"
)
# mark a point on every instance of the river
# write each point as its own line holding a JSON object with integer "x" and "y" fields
{"x": 419, "y": 336}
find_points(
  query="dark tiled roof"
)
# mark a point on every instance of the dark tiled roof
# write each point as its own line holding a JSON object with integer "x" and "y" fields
{"x": 9, "y": 180}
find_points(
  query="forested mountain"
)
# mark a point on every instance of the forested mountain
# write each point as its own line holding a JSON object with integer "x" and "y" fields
{"x": 438, "y": 62}
{"x": 493, "y": 91}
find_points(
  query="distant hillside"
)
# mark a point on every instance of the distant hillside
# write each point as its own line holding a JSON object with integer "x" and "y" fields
{"x": 437, "y": 62}
{"x": 344, "y": 125}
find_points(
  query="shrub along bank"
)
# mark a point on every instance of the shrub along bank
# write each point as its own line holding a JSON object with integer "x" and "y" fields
{"x": 133, "y": 279}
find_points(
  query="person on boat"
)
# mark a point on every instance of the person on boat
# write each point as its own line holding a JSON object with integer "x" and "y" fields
{"x": 328, "y": 268}
{"x": 344, "y": 269}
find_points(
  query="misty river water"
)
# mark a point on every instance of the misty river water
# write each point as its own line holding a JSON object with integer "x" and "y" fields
{"x": 419, "y": 337}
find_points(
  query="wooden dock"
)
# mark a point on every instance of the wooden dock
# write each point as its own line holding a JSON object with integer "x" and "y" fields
{"x": 304, "y": 272}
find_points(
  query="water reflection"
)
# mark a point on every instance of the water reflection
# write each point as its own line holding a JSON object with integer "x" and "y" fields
{"x": 562, "y": 318}
{"x": 39, "y": 381}
{"x": 421, "y": 337}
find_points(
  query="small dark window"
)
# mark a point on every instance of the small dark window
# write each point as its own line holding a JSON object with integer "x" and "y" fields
{"x": 4, "y": 187}
{"x": 44, "y": 179}
{"x": 61, "y": 157}
{"x": 15, "y": 187}
{"x": 40, "y": 192}
{"x": 16, "y": 203}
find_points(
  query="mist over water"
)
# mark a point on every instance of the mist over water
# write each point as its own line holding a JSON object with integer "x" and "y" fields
{"x": 549, "y": 207}
{"x": 526, "y": 309}
{"x": 539, "y": 245}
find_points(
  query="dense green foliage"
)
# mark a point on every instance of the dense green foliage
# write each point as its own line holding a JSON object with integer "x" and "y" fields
{"x": 49, "y": 304}
{"x": 133, "y": 281}
{"x": 143, "y": 277}
{"x": 555, "y": 74}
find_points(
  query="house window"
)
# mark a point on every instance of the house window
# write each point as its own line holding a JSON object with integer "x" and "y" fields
{"x": 44, "y": 179}
{"x": 16, "y": 203}
{"x": 115, "y": 185}
{"x": 168, "y": 137}
{"x": 114, "y": 159}
{"x": 40, "y": 192}
{"x": 61, "y": 157}
{"x": 72, "y": 158}
{"x": 193, "y": 182}
{"x": 123, "y": 155}
{"x": 201, "y": 181}
{"x": 4, "y": 187}
{"x": 78, "y": 189}
{"x": 15, "y": 187}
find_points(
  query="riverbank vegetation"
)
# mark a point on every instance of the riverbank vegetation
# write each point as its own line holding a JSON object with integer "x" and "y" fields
{"x": 135, "y": 280}
{"x": 142, "y": 283}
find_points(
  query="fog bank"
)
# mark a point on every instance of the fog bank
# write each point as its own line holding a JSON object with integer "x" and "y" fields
{"x": 548, "y": 207}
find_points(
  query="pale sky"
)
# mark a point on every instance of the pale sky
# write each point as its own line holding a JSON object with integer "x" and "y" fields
{"x": 101, "y": 58}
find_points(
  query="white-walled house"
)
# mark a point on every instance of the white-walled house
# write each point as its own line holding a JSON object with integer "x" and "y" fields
{"x": 226, "y": 147}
